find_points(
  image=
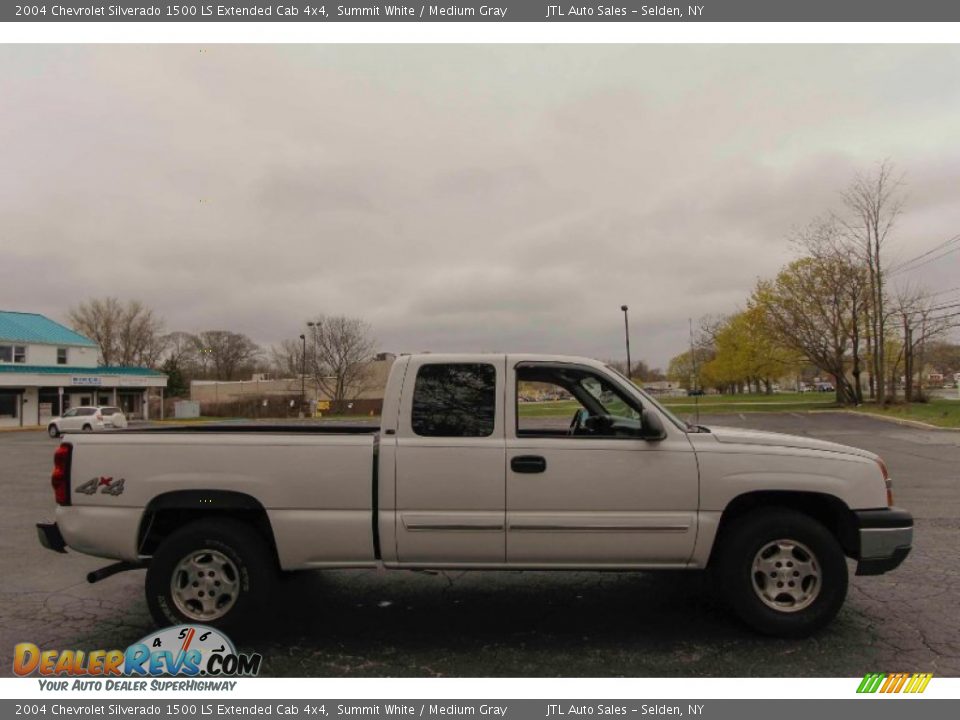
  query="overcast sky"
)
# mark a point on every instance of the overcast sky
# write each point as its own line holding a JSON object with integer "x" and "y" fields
{"x": 457, "y": 197}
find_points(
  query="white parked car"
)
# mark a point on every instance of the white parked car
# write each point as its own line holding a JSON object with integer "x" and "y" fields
{"x": 87, "y": 419}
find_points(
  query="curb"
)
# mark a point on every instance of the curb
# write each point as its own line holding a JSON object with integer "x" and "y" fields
{"x": 888, "y": 418}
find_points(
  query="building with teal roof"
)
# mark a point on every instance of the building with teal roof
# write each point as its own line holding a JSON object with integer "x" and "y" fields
{"x": 46, "y": 367}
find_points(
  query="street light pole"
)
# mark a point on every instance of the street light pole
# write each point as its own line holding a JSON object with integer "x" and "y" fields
{"x": 313, "y": 366}
{"x": 303, "y": 371}
{"x": 626, "y": 332}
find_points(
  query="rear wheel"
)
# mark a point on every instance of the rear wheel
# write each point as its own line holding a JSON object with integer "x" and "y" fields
{"x": 53, "y": 431}
{"x": 216, "y": 572}
{"x": 783, "y": 572}
{"x": 87, "y": 428}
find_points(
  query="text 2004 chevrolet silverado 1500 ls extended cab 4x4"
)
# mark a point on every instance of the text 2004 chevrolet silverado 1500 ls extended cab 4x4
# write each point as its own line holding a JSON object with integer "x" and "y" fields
{"x": 463, "y": 474}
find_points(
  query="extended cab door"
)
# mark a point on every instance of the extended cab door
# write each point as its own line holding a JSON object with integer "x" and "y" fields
{"x": 583, "y": 488}
{"x": 450, "y": 462}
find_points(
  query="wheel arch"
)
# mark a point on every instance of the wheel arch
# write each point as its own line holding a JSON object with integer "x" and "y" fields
{"x": 170, "y": 511}
{"x": 827, "y": 509}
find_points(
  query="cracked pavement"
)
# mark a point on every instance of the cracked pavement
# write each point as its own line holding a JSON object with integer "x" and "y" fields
{"x": 375, "y": 623}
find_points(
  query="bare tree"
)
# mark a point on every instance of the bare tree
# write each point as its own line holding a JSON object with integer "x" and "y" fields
{"x": 181, "y": 347}
{"x": 923, "y": 322}
{"x": 874, "y": 202}
{"x": 339, "y": 351}
{"x": 639, "y": 369}
{"x": 225, "y": 352}
{"x": 287, "y": 360}
{"x": 127, "y": 333}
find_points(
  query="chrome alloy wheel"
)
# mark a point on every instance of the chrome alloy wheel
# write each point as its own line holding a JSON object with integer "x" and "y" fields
{"x": 205, "y": 585}
{"x": 786, "y": 575}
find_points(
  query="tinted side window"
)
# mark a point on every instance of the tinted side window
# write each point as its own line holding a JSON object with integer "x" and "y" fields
{"x": 455, "y": 400}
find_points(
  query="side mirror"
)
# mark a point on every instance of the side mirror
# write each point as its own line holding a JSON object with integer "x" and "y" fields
{"x": 652, "y": 426}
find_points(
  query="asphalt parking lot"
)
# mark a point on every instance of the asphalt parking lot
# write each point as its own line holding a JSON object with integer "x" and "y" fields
{"x": 342, "y": 623}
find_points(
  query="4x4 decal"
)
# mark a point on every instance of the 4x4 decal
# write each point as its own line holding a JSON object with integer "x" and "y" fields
{"x": 109, "y": 485}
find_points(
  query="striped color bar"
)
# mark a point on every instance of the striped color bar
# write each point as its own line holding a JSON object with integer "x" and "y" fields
{"x": 894, "y": 682}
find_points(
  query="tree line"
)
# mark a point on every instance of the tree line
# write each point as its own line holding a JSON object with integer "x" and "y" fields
{"x": 840, "y": 307}
{"x": 335, "y": 352}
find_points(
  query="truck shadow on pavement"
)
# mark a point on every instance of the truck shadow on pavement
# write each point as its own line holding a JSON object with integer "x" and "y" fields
{"x": 525, "y": 623}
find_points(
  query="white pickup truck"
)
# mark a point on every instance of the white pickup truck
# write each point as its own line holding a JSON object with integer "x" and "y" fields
{"x": 467, "y": 472}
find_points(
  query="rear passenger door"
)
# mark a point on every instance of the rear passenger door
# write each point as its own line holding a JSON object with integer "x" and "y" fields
{"x": 450, "y": 463}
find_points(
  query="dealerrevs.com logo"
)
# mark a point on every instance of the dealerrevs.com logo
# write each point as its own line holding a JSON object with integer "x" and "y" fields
{"x": 179, "y": 651}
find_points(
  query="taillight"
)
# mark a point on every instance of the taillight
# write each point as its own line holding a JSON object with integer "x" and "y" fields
{"x": 98, "y": 416}
{"x": 886, "y": 481}
{"x": 60, "y": 479}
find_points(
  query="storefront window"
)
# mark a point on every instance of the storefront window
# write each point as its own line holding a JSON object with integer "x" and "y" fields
{"x": 9, "y": 405}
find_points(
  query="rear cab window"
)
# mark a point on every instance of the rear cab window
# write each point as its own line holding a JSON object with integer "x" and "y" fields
{"x": 455, "y": 400}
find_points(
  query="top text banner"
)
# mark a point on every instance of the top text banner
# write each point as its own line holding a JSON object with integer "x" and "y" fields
{"x": 303, "y": 11}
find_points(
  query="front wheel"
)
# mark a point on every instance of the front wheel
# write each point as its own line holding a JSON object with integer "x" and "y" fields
{"x": 216, "y": 572}
{"x": 783, "y": 572}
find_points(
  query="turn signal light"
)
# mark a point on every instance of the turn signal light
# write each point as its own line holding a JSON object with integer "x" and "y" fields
{"x": 60, "y": 478}
{"x": 886, "y": 481}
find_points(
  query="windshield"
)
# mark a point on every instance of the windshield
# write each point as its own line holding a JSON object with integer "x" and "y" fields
{"x": 670, "y": 416}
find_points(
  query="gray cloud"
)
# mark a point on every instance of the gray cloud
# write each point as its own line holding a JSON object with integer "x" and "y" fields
{"x": 457, "y": 197}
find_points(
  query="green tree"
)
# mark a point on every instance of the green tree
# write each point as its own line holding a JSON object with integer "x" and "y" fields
{"x": 808, "y": 309}
{"x": 177, "y": 385}
{"x": 748, "y": 352}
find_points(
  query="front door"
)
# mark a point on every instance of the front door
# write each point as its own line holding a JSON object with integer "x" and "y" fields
{"x": 450, "y": 456}
{"x": 582, "y": 488}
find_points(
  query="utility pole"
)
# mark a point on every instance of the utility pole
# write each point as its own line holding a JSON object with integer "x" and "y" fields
{"x": 907, "y": 359}
{"x": 303, "y": 371}
{"x": 695, "y": 380}
{"x": 626, "y": 332}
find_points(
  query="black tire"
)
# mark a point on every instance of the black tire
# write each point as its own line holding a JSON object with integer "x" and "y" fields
{"x": 87, "y": 428}
{"x": 53, "y": 431}
{"x": 759, "y": 530}
{"x": 254, "y": 571}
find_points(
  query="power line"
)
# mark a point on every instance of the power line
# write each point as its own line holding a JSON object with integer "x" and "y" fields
{"x": 946, "y": 306}
{"x": 936, "y": 318}
{"x": 927, "y": 261}
{"x": 943, "y": 292}
{"x": 900, "y": 266}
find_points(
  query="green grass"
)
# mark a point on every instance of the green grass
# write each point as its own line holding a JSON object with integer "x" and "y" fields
{"x": 684, "y": 406}
{"x": 553, "y": 408}
{"x": 750, "y": 402}
{"x": 940, "y": 412}
{"x": 178, "y": 421}
{"x": 751, "y": 398}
